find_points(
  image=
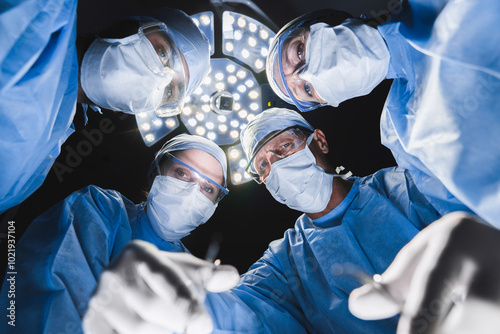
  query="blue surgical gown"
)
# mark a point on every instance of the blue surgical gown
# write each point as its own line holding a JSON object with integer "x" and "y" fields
{"x": 303, "y": 281}
{"x": 441, "y": 119}
{"x": 38, "y": 91}
{"x": 63, "y": 252}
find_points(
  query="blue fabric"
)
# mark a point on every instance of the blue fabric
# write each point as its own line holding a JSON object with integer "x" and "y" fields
{"x": 63, "y": 252}
{"x": 38, "y": 90}
{"x": 297, "y": 286}
{"x": 441, "y": 119}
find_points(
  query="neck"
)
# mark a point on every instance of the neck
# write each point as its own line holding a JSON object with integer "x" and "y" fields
{"x": 340, "y": 189}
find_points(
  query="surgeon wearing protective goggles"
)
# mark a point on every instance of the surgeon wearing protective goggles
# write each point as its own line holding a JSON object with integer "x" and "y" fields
{"x": 440, "y": 118}
{"x": 146, "y": 63}
{"x": 64, "y": 250}
{"x": 352, "y": 228}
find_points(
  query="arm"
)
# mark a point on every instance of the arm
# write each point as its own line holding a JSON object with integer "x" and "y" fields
{"x": 446, "y": 280}
{"x": 60, "y": 257}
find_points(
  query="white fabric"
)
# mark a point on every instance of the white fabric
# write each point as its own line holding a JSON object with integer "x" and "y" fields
{"x": 176, "y": 207}
{"x": 299, "y": 183}
{"x": 124, "y": 74}
{"x": 345, "y": 61}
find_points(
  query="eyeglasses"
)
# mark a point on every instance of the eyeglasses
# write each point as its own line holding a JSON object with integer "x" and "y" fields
{"x": 166, "y": 59}
{"x": 182, "y": 171}
{"x": 279, "y": 146}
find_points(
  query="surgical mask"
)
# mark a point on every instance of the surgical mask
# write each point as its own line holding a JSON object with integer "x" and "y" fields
{"x": 344, "y": 61}
{"x": 299, "y": 183}
{"x": 128, "y": 75}
{"x": 176, "y": 207}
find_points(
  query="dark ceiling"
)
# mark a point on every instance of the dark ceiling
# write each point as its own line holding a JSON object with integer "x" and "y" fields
{"x": 249, "y": 218}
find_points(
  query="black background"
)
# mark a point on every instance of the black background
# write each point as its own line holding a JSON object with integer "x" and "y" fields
{"x": 249, "y": 218}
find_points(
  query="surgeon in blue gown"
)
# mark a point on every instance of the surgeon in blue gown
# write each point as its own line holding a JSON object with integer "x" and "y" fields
{"x": 40, "y": 80}
{"x": 63, "y": 252}
{"x": 440, "y": 119}
{"x": 352, "y": 228}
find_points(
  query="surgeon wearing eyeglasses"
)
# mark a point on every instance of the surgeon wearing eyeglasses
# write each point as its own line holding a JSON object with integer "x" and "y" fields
{"x": 350, "y": 228}
{"x": 146, "y": 63}
{"x": 64, "y": 251}
{"x": 440, "y": 118}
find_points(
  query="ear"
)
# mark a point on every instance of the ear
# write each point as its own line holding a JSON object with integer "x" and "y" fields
{"x": 320, "y": 139}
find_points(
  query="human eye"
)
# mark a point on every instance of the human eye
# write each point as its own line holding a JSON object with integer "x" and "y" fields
{"x": 169, "y": 91}
{"x": 262, "y": 166}
{"x": 308, "y": 89}
{"x": 208, "y": 189}
{"x": 300, "y": 52}
{"x": 181, "y": 173}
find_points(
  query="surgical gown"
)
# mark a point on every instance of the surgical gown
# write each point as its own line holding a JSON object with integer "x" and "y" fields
{"x": 441, "y": 119}
{"x": 303, "y": 281}
{"x": 38, "y": 91}
{"x": 63, "y": 252}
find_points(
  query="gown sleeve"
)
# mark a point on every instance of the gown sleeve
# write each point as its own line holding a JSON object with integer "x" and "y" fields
{"x": 59, "y": 259}
{"x": 38, "y": 91}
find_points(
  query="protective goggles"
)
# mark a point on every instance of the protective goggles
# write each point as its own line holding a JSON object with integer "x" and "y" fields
{"x": 290, "y": 87}
{"x": 184, "y": 172}
{"x": 279, "y": 146}
{"x": 162, "y": 56}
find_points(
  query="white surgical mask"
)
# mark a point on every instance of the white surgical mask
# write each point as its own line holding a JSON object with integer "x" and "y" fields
{"x": 124, "y": 74}
{"x": 176, "y": 207}
{"x": 345, "y": 61}
{"x": 299, "y": 183}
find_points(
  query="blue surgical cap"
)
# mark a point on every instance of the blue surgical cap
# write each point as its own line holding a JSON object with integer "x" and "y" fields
{"x": 273, "y": 119}
{"x": 186, "y": 142}
{"x": 189, "y": 40}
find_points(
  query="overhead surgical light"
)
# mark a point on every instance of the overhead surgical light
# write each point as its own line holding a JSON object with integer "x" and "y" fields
{"x": 222, "y": 106}
{"x": 246, "y": 39}
{"x": 205, "y": 22}
{"x": 154, "y": 128}
{"x": 237, "y": 165}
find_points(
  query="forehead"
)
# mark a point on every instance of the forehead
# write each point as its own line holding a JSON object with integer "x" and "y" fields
{"x": 203, "y": 162}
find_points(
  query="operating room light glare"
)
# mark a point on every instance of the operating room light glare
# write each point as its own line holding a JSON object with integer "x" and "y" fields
{"x": 241, "y": 74}
{"x": 252, "y": 27}
{"x": 219, "y": 76}
{"x": 200, "y": 130}
{"x": 234, "y": 133}
{"x": 250, "y": 117}
{"x": 221, "y": 118}
{"x": 220, "y": 86}
{"x": 229, "y": 46}
{"x": 241, "y": 22}
{"x": 242, "y": 88}
{"x": 234, "y": 154}
{"x": 254, "y": 106}
{"x": 157, "y": 123}
{"x": 192, "y": 122}
{"x": 232, "y": 79}
{"x": 142, "y": 114}
{"x": 259, "y": 64}
{"x": 222, "y": 128}
{"x": 195, "y": 20}
{"x": 237, "y": 35}
{"x": 205, "y": 20}
{"x": 236, "y": 107}
{"x": 145, "y": 126}
{"x": 234, "y": 123}
{"x": 205, "y": 108}
{"x": 252, "y": 41}
{"x": 198, "y": 91}
{"x": 149, "y": 137}
{"x": 211, "y": 135}
{"x": 264, "y": 34}
{"x": 245, "y": 53}
{"x": 249, "y": 83}
{"x": 242, "y": 163}
{"x": 207, "y": 80}
{"x": 243, "y": 114}
{"x": 199, "y": 116}
{"x": 205, "y": 98}
{"x": 264, "y": 52}
{"x": 237, "y": 177}
{"x": 253, "y": 94}
{"x": 210, "y": 125}
{"x": 230, "y": 68}
{"x": 170, "y": 123}
{"x": 236, "y": 96}
{"x": 187, "y": 111}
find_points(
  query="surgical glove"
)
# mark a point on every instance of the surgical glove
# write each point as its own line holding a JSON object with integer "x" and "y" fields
{"x": 446, "y": 280}
{"x": 150, "y": 291}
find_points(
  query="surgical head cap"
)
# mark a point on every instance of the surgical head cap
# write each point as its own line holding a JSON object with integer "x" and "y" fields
{"x": 273, "y": 119}
{"x": 190, "y": 41}
{"x": 185, "y": 142}
{"x": 330, "y": 16}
